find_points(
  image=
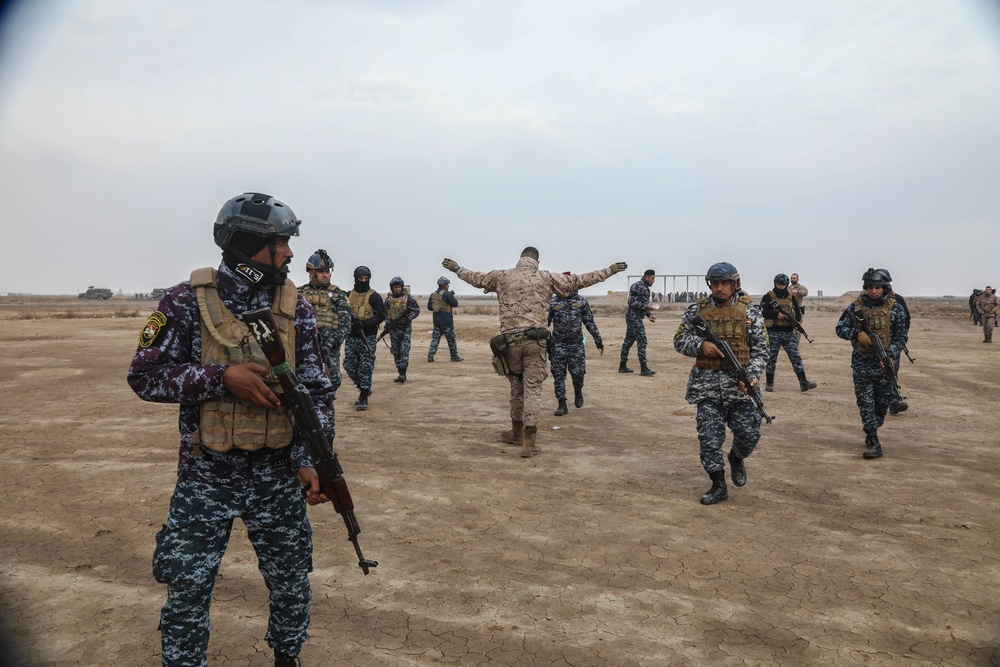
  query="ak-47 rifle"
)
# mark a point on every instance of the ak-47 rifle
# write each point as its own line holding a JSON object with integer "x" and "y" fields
{"x": 302, "y": 410}
{"x": 884, "y": 359}
{"x": 702, "y": 328}
{"x": 906, "y": 351}
{"x": 390, "y": 325}
{"x": 359, "y": 331}
{"x": 791, "y": 319}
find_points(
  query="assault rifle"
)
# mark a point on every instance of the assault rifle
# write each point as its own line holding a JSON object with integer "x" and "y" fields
{"x": 906, "y": 351}
{"x": 359, "y": 331}
{"x": 884, "y": 359}
{"x": 702, "y": 328}
{"x": 791, "y": 318}
{"x": 302, "y": 411}
{"x": 390, "y": 325}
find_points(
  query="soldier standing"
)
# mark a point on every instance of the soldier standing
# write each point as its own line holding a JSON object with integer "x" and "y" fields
{"x": 195, "y": 351}
{"x": 333, "y": 315}
{"x": 401, "y": 309}
{"x": 976, "y": 293}
{"x": 639, "y": 308}
{"x": 568, "y": 315}
{"x": 799, "y": 292}
{"x": 897, "y": 404}
{"x": 872, "y": 387}
{"x": 987, "y": 306}
{"x": 720, "y": 397}
{"x": 524, "y": 294}
{"x": 367, "y": 311}
{"x": 781, "y": 332}
{"x": 442, "y": 302}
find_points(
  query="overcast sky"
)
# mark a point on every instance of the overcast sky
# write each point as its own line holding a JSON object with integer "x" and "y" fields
{"x": 821, "y": 137}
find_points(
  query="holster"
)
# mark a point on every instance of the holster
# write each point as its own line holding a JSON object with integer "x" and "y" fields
{"x": 498, "y": 345}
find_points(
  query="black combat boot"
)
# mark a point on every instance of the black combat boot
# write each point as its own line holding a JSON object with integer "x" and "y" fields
{"x": 401, "y": 378}
{"x": 897, "y": 407}
{"x": 769, "y": 382}
{"x": 623, "y": 368}
{"x": 578, "y": 394}
{"x": 285, "y": 660}
{"x": 645, "y": 370}
{"x": 362, "y": 403}
{"x": 874, "y": 450}
{"x": 737, "y": 469}
{"x": 458, "y": 358}
{"x": 804, "y": 384}
{"x": 718, "y": 492}
{"x": 562, "y": 409}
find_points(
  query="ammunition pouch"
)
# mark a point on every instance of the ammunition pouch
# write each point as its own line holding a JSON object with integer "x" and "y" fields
{"x": 498, "y": 345}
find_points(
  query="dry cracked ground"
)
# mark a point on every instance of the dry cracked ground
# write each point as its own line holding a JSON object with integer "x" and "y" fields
{"x": 595, "y": 552}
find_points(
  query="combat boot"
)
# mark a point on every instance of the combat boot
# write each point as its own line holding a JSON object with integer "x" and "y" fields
{"x": 458, "y": 358}
{"x": 362, "y": 403}
{"x": 578, "y": 395}
{"x": 718, "y": 492}
{"x": 646, "y": 370}
{"x": 804, "y": 384}
{"x": 528, "y": 448}
{"x": 513, "y": 436}
{"x": 623, "y": 368}
{"x": 562, "y": 409}
{"x": 874, "y": 450}
{"x": 401, "y": 378}
{"x": 737, "y": 469}
{"x": 769, "y": 382}
{"x": 285, "y": 660}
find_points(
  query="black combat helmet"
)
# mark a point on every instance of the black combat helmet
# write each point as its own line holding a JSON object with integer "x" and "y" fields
{"x": 362, "y": 271}
{"x": 319, "y": 260}
{"x": 257, "y": 214}
{"x": 722, "y": 271}
{"x": 875, "y": 278}
{"x": 396, "y": 280}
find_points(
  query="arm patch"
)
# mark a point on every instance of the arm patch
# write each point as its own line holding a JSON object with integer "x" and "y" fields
{"x": 152, "y": 329}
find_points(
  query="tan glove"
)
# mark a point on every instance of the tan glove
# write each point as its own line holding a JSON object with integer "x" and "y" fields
{"x": 618, "y": 267}
{"x": 864, "y": 342}
{"x": 450, "y": 264}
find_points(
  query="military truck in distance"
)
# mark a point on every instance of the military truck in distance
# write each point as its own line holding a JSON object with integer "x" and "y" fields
{"x": 96, "y": 293}
{"x": 158, "y": 293}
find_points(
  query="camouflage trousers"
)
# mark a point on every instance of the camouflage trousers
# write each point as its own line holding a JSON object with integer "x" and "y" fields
{"x": 874, "y": 393}
{"x": 528, "y": 369}
{"x": 790, "y": 342}
{"x": 359, "y": 362}
{"x": 635, "y": 332}
{"x": 989, "y": 321}
{"x": 713, "y": 415}
{"x": 449, "y": 334}
{"x": 190, "y": 547}
{"x": 572, "y": 356}
{"x": 399, "y": 345}
{"x": 336, "y": 377}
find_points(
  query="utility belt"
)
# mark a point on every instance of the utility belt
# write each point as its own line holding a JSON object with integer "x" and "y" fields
{"x": 539, "y": 333}
{"x": 500, "y": 343}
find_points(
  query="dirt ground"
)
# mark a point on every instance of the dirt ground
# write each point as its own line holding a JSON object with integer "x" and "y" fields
{"x": 595, "y": 552}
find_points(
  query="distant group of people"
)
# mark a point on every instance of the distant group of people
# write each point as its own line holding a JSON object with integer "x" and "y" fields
{"x": 985, "y": 306}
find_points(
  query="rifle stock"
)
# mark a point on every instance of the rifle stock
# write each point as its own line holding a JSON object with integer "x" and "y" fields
{"x": 302, "y": 411}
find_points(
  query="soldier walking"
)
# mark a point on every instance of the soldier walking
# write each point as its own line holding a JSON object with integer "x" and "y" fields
{"x": 781, "y": 331}
{"x": 333, "y": 317}
{"x": 524, "y": 294}
{"x": 401, "y": 309}
{"x": 568, "y": 315}
{"x": 987, "y": 306}
{"x": 442, "y": 303}
{"x": 721, "y": 399}
{"x": 367, "y": 311}
{"x": 639, "y": 308}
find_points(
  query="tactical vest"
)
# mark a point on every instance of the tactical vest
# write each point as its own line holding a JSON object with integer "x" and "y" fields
{"x": 396, "y": 305}
{"x": 326, "y": 317}
{"x": 438, "y": 304}
{"x": 359, "y": 304}
{"x": 730, "y": 325}
{"x": 229, "y": 422}
{"x": 878, "y": 319}
{"x": 786, "y": 305}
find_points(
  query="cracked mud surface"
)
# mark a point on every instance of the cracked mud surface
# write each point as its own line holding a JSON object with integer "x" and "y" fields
{"x": 595, "y": 552}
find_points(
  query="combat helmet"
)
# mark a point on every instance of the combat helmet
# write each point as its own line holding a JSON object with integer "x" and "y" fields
{"x": 320, "y": 261}
{"x": 257, "y": 214}
{"x": 875, "y": 278}
{"x": 781, "y": 279}
{"x": 396, "y": 280}
{"x": 722, "y": 271}
{"x": 362, "y": 271}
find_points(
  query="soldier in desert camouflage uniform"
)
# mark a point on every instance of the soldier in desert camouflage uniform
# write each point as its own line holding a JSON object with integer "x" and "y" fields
{"x": 524, "y": 294}
{"x": 568, "y": 315}
{"x": 799, "y": 292}
{"x": 988, "y": 306}
{"x": 720, "y": 397}
{"x": 238, "y": 454}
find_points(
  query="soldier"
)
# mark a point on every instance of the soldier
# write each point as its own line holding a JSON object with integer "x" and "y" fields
{"x": 987, "y": 307}
{"x": 442, "y": 302}
{"x": 367, "y": 312}
{"x": 524, "y": 294}
{"x": 872, "y": 387}
{"x": 639, "y": 308}
{"x": 401, "y": 309}
{"x": 333, "y": 315}
{"x": 569, "y": 315}
{"x": 976, "y": 293}
{"x": 799, "y": 292}
{"x": 720, "y": 397}
{"x": 239, "y": 456}
{"x": 896, "y": 403}
{"x": 781, "y": 332}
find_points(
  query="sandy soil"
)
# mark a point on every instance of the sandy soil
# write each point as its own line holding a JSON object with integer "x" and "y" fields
{"x": 596, "y": 552}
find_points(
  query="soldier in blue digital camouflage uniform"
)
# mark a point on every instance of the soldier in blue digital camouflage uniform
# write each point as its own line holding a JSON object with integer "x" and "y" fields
{"x": 781, "y": 332}
{"x": 639, "y": 308}
{"x": 400, "y": 311}
{"x": 333, "y": 316}
{"x": 368, "y": 311}
{"x": 872, "y": 387}
{"x": 442, "y": 302}
{"x": 238, "y": 454}
{"x": 568, "y": 315}
{"x": 720, "y": 397}
{"x": 898, "y": 403}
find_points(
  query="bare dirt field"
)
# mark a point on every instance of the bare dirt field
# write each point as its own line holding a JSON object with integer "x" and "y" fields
{"x": 595, "y": 552}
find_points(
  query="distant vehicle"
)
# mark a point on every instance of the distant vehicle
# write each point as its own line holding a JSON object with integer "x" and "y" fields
{"x": 158, "y": 293}
{"x": 96, "y": 293}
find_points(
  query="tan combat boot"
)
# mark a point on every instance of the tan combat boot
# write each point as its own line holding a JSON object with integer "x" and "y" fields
{"x": 513, "y": 436}
{"x": 528, "y": 448}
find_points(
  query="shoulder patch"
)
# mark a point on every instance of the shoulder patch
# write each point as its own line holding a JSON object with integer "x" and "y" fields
{"x": 151, "y": 331}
